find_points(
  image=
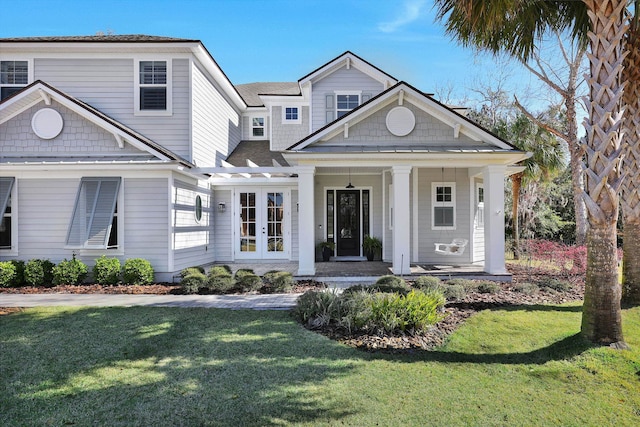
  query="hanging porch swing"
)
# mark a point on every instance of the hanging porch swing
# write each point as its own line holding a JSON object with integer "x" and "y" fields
{"x": 457, "y": 245}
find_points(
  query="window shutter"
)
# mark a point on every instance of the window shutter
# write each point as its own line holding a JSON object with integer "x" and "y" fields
{"x": 5, "y": 191}
{"x": 330, "y": 108}
{"x": 93, "y": 212}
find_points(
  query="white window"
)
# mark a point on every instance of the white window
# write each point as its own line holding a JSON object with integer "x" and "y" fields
{"x": 14, "y": 75}
{"x": 153, "y": 88}
{"x": 480, "y": 206}
{"x": 6, "y": 185}
{"x": 346, "y": 102}
{"x": 443, "y": 202}
{"x": 94, "y": 223}
{"x": 291, "y": 115}
{"x": 257, "y": 127}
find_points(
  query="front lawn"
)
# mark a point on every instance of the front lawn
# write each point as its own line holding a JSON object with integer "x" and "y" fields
{"x": 169, "y": 366}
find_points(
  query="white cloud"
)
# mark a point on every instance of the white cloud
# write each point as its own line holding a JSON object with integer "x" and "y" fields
{"x": 409, "y": 13}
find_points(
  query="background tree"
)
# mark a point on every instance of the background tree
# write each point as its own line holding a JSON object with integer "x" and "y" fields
{"x": 546, "y": 162}
{"x": 515, "y": 27}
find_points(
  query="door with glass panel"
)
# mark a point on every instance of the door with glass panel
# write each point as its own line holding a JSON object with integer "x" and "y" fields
{"x": 262, "y": 224}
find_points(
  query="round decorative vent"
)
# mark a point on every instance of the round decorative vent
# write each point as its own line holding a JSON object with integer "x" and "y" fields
{"x": 47, "y": 123}
{"x": 400, "y": 121}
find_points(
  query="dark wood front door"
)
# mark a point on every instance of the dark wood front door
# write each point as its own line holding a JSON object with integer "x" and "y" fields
{"x": 348, "y": 223}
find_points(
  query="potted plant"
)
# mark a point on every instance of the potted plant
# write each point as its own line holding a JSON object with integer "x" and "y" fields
{"x": 371, "y": 246}
{"x": 326, "y": 248}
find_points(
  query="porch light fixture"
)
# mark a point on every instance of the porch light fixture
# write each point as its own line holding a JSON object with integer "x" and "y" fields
{"x": 350, "y": 185}
{"x": 221, "y": 207}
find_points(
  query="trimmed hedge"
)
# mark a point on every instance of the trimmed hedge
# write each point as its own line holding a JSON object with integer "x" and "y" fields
{"x": 38, "y": 272}
{"x": 137, "y": 271}
{"x": 70, "y": 272}
{"x": 106, "y": 271}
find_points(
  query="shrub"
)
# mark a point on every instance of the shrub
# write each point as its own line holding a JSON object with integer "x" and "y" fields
{"x": 8, "y": 274}
{"x": 468, "y": 285}
{"x": 413, "y": 313}
{"x": 453, "y": 292}
{"x": 317, "y": 308}
{"x": 193, "y": 283}
{"x": 191, "y": 270}
{"x": 106, "y": 271}
{"x": 488, "y": 287}
{"x": 137, "y": 271}
{"x": 428, "y": 283}
{"x": 247, "y": 280}
{"x": 220, "y": 270}
{"x": 390, "y": 284}
{"x": 556, "y": 285}
{"x": 526, "y": 288}
{"x": 355, "y": 310}
{"x": 279, "y": 281}
{"x": 220, "y": 279}
{"x": 19, "y": 279}
{"x": 69, "y": 272}
{"x": 38, "y": 272}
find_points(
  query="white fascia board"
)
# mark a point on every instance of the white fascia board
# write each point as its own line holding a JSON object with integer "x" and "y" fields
{"x": 65, "y": 49}
{"x": 247, "y": 169}
{"x": 219, "y": 76}
{"x": 388, "y": 159}
{"x": 355, "y": 62}
{"x": 235, "y": 182}
{"x": 59, "y": 171}
{"x": 276, "y": 100}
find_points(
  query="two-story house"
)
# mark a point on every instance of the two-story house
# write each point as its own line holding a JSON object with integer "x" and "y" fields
{"x": 140, "y": 146}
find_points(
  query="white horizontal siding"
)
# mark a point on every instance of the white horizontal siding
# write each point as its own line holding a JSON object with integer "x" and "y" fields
{"x": 108, "y": 85}
{"x": 427, "y": 236}
{"x": 191, "y": 239}
{"x": 222, "y": 221}
{"x": 216, "y": 125}
{"x": 341, "y": 80}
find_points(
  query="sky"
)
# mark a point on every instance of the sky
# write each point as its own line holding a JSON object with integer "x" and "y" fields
{"x": 278, "y": 40}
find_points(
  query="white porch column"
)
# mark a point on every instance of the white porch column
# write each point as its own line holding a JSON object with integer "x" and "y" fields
{"x": 401, "y": 220}
{"x": 306, "y": 221}
{"x": 494, "y": 219}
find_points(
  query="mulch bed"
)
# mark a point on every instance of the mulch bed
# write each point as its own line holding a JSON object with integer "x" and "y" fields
{"x": 456, "y": 312}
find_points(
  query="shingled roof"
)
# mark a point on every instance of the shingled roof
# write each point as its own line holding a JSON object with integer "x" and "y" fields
{"x": 118, "y": 38}
{"x": 250, "y": 92}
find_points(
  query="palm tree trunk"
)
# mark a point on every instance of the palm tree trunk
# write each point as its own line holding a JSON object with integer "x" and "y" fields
{"x": 516, "y": 184}
{"x": 601, "y": 315}
{"x": 630, "y": 200}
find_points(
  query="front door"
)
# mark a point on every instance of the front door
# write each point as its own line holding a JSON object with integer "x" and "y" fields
{"x": 262, "y": 224}
{"x": 348, "y": 236}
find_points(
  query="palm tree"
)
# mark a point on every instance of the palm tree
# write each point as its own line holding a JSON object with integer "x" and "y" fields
{"x": 630, "y": 196}
{"x": 546, "y": 161}
{"x": 515, "y": 26}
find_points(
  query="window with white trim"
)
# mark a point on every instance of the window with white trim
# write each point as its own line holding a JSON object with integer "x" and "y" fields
{"x": 443, "y": 202}
{"x": 153, "y": 87}
{"x": 6, "y": 185}
{"x": 291, "y": 115}
{"x": 346, "y": 102}
{"x": 257, "y": 127}
{"x": 95, "y": 214}
{"x": 14, "y": 75}
{"x": 479, "y": 206}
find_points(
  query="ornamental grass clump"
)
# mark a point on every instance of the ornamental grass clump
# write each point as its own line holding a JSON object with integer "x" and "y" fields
{"x": 38, "y": 272}
{"x": 390, "y": 284}
{"x": 556, "y": 285}
{"x": 428, "y": 283}
{"x": 488, "y": 287}
{"x": 137, "y": 271}
{"x": 317, "y": 309}
{"x": 70, "y": 272}
{"x": 467, "y": 284}
{"x": 411, "y": 313}
{"x": 106, "y": 271}
{"x": 453, "y": 292}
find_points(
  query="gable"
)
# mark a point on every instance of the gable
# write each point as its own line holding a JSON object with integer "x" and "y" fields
{"x": 78, "y": 137}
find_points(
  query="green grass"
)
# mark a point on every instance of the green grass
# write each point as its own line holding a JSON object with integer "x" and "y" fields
{"x": 171, "y": 366}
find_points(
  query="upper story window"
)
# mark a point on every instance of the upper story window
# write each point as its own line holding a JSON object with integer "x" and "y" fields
{"x": 153, "y": 87}
{"x": 257, "y": 127}
{"x": 346, "y": 102}
{"x": 291, "y": 115}
{"x": 14, "y": 75}
{"x": 443, "y": 202}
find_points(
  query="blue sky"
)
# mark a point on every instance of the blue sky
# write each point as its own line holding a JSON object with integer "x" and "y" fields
{"x": 274, "y": 40}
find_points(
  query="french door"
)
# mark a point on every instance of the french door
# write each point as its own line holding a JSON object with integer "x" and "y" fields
{"x": 262, "y": 224}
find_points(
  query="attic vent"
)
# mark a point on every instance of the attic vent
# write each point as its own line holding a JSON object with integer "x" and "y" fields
{"x": 47, "y": 123}
{"x": 400, "y": 121}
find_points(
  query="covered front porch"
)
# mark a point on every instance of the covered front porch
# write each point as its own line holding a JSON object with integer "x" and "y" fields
{"x": 370, "y": 271}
